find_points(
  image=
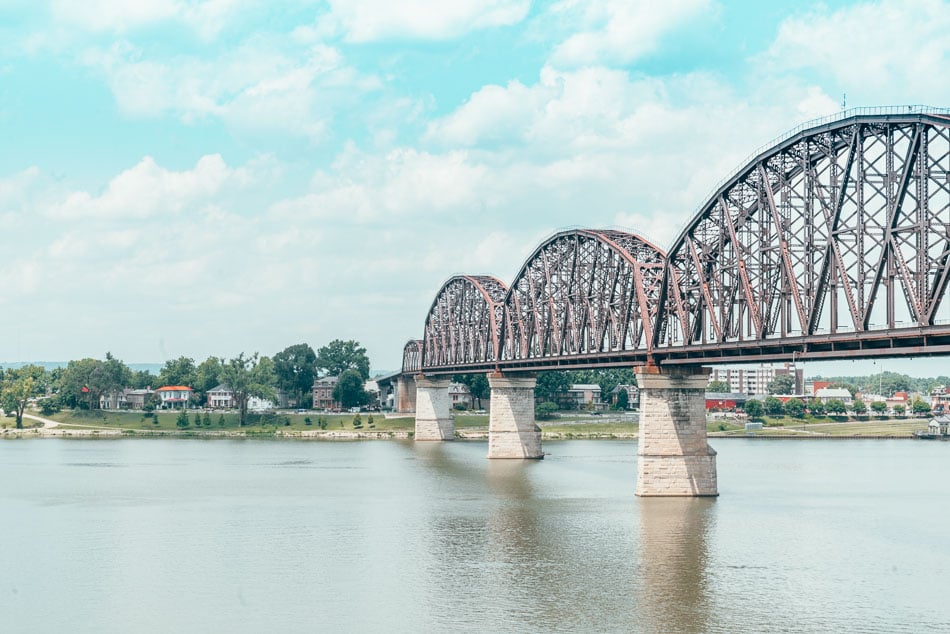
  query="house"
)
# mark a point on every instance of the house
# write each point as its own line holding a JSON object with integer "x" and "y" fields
{"x": 174, "y": 396}
{"x": 124, "y": 399}
{"x": 826, "y": 394}
{"x": 323, "y": 394}
{"x": 633, "y": 394}
{"x": 940, "y": 399}
{"x": 459, "y": 394}
{"x": 725, "y": 401}
{"x": 581, "y": 395}
{"x": 220, "y": 397}
{"x": 113, "y": 400}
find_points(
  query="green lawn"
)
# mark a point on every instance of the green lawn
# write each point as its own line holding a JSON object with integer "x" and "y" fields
{"x": 256, "y": 423}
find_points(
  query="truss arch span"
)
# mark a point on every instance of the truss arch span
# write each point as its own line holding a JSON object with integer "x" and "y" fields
{"x": 583, "y": 293}
{"x": 463, "y": 325}
{"x": 842, "y": 229}
{"x": 412, "y": 356}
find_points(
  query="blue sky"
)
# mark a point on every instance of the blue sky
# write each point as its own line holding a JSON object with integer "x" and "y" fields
{"x": 184, "y": 177}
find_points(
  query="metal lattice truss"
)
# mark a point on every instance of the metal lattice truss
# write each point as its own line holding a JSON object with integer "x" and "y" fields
{"x": 838, "y": 230}
{"x": 412, "y": 356}
{"x": 464, "y": 322}
{"x": 583, "y": 292}
{"x": 833, "y": 243}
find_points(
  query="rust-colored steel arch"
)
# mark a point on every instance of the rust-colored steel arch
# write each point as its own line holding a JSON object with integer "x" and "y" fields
{"x": 840, "y": 232}
{"x": 464, "y": 322}
{"x": 412, "y": 356}
{"x": 583, "y": 293}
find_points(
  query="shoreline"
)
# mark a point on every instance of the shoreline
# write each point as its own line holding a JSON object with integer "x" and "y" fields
{"x": 346, "y": 435}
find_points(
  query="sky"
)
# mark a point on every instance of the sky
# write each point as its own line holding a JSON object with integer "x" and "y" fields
{"x": 206, "y": 177}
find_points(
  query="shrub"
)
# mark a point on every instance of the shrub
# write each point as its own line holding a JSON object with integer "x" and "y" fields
{"x": 546, "y": 411}
{"x": 307, "y": 421}
{"x": 221, "y": 420}
{"x": 182, "y": 420}
{"x": 371, "y": 421}
{"x": 357, "y": 421}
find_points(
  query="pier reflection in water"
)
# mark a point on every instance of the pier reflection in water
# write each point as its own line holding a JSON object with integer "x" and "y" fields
{"x": 672, "y": 553}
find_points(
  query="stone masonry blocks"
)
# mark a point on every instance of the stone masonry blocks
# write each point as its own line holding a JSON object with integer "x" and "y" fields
{"x": 433, "y": 418}
{"x": 673, "y": 456}
{"x": 511, "y": 429}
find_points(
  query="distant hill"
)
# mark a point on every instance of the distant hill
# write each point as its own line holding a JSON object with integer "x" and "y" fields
{"x": 154, "y": 368}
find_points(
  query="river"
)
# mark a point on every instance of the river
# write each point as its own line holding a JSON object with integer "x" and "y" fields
{"x": 186, "y": 535}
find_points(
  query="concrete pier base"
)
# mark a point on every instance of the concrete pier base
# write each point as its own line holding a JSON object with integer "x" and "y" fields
{"x": 673, "y": 456}
{"x": 433, "y": 418}
{"x": 511, "y": 429}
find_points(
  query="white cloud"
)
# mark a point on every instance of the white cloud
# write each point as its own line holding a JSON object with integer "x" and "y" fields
{"x": 148, "y": 189}
{"x": 370, "y": 20}
{"x": 894, "y": 50}
{"x": 261, "y": 85}
{"x": 618, "y": 31}
{"x": 121, "y": 16}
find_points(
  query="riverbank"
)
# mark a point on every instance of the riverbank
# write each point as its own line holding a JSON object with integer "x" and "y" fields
{"x": 468, "y": 427}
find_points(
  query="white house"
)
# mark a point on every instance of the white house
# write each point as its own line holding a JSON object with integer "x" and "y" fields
{"x": 174, "y": 396}
{"x": 220, "y": 397}
{"x": 826, "y": 394}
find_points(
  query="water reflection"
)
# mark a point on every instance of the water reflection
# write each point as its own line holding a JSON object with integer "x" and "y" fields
{"x": 673, "y": 564}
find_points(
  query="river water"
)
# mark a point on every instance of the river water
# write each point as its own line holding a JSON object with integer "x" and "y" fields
{"x": 161, "y": 535}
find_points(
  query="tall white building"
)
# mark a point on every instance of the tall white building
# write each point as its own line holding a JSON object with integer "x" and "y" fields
{"x": 749, "y": 379}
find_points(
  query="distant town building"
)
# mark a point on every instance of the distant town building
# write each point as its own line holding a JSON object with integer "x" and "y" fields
{"x": 725, "y": 401}
{"x": 826, "y": 394}
{"x": 633, "y": 394}
{"x": 459, "y": 394}
{"x": 174, "y": 396}
{"x": 756, "y": 379}
{"x": 581, "y": 395}
{"x": 220, "y": 397}
{"x": 323, "y": 393}
{"x": 940, "y": 399}
{"x": 124, "y": 399}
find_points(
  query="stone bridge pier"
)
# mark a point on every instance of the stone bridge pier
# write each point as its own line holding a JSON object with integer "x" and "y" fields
{"x": 405, "y": 394}
{"x": 511, "y": 429}
{"x": 433, "y": 416}
{"x": 673, "y": 456}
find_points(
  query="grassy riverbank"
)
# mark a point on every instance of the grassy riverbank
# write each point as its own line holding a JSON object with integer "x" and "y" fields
{"x": 466, "y": 425}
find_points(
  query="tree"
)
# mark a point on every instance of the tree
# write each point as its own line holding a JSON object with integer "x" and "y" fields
{"x": 206, "y": 378}
{"x": 919, "y": 406}
{"x": 816, "y": 407}
{"x": 836, "y": 407}
{"x": 551, "y": 385}
{"x": 878, "y": 407}
{"x": 718, "y": 386}
{"x": 477, "y": 385}
{"x": 339, "y": 356}
{"x": 296, "y": 368}
{"x": 859, "y": 407}
{"x": 180, "y": 371}
{"x": 545, "y": 411}
{"x": 623, "y": 400}
{"x": 753, "y": 408}
{"x": 773, "y": 406}
{"x": 17, "y": 389}
{"x": 142, "y": 379}
{"x": 182, "y": 420}
{"x": 899, "y": 410}
{"x": 349, "y": 389}
{"x": 782, "y": 384}
{"x": 86, "y": 380}
{"x": 247, "y": 377}
{"x": 795, "y": 408}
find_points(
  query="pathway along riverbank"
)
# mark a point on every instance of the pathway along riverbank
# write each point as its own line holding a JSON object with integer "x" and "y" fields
{"x": 594, "y": 430}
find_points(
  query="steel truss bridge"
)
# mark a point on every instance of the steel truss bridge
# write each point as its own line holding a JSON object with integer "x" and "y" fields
{"x": 832, "y": 243}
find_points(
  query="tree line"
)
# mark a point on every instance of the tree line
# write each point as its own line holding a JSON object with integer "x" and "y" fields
{"x": 293, "y": 370}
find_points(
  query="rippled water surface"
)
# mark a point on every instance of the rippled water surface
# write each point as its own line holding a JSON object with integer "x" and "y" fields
{"x": 160, "y": 535}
